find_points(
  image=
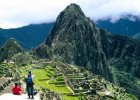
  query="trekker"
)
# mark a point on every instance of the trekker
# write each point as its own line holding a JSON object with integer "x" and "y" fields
{"x": 29, "y": 85}
{"x": 16, "y": 90}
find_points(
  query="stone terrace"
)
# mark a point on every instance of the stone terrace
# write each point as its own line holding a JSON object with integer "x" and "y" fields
{"x": 48, "y": 95}
{"x": 5, "y": 84}
{"x": 81, "y": 80}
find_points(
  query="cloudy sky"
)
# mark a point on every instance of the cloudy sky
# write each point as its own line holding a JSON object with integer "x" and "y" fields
{"x": 17, "y": 13}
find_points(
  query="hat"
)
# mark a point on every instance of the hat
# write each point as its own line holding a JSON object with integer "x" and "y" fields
{"x": 29, "y": 71}
{"x": 16, "y": 83}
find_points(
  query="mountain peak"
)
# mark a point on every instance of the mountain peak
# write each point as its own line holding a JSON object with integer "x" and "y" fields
{"x": 11, "y": 42}
{"x": 75, "y": 39}
{"x": 10, "y": 48}
{"x": 73, "y": 9}
{"x": 71, "y": 19}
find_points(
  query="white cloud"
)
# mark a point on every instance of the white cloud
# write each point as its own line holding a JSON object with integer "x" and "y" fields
{"x": 16, "y": 13}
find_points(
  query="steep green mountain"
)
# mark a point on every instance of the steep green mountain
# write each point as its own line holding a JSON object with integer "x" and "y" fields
{"x": 123, "y": 50}
{"x": 27, "y": 36}
{"x": 123, "y": 54}
{"x": 8, "y": 50}
{"x": 75, "y": 39}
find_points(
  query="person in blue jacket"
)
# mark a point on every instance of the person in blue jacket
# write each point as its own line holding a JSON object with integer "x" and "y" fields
{"x": 30, "y": 85}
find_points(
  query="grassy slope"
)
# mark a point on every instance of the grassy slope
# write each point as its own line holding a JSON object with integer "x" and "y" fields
{"x": 42, "y": 74}
{"x": 45, "y": 83}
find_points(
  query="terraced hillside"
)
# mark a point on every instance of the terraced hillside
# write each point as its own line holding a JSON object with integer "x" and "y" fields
{"x": 69, "y": 82}
{"x": 4, "y": 69}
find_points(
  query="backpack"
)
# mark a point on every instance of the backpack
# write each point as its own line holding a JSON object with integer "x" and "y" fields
{"x": 29, "y": 80}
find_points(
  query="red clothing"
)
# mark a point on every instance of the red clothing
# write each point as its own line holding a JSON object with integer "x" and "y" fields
{"x": 16, "y": 90}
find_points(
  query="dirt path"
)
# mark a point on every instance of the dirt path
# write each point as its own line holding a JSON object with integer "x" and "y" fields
{"x": 23, "y": 96}
{"x": 10, "y": 96}
{"x": 7, "y": 95}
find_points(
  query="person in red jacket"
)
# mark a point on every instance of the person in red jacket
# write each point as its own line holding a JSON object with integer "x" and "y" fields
{"x": 16, "y": 90}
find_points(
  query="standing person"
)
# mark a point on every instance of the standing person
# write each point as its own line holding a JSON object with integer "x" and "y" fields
{"x": 29, "y": 84}
{"x": 16, "y": 89}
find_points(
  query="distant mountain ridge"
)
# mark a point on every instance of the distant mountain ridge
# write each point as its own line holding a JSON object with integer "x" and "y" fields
{"x": 122, "y": 26}
{"x": 27, "y": 36}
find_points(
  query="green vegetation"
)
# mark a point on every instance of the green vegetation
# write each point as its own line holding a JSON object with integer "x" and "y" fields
{"x": 71, "y": 97}
{"x": 126, "y": 80}
{"x": 43, "y": 80}
{"x": 8, "y": 50}
{"x": 22, "y": 59}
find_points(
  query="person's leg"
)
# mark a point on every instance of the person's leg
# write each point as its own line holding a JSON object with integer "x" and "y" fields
{"x": 28, "y": 91}
{"x": 32, "y": 91}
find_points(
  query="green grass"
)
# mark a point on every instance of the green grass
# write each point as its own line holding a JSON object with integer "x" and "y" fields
{"x": 70, "y": 97}
{"x": 41, "y": 74}
{"x": 48, "y": 83}
{"x": 52, "y": 87}
{"x": 78, "y": 78}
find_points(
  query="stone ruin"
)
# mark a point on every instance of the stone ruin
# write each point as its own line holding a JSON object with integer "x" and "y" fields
{"x": 48, "y": 95}
{"x": 5, "y": 85}
{"x": 81, "y": 80}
